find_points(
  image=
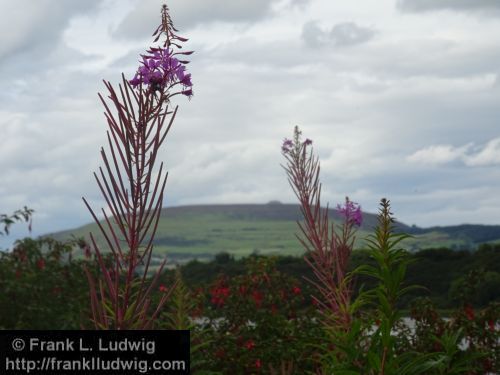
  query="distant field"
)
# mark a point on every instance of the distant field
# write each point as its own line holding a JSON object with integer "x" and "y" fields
{"x": 201, "y": 232}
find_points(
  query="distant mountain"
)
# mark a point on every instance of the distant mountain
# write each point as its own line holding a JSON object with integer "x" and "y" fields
{"x": 474, "y": 233}
{"x": 201, "y": 231}
{"x": 274, "y": 211}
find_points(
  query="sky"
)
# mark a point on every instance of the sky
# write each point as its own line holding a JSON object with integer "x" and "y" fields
{"x": 400, "y": 97}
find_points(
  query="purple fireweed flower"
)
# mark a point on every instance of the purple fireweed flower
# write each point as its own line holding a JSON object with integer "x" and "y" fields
{"x": 160, "y": 69}
{"x": 287, "y": 145}
{"x": 185, "y": 79}
{"x": 351, "y": 211}
{"x": 308, "y": 142}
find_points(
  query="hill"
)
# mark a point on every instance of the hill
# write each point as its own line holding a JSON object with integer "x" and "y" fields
{"x": 201, "y": 231}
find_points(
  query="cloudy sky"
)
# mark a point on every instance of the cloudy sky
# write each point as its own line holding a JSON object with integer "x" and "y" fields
{"x": 401, "y": 98}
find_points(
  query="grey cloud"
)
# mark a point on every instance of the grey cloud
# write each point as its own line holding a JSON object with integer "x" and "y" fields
{"x": 27, "y": 81}
{"x": 438, "y": 58}
{"x": 452, "y": 194}
{"x": 36, "y": 25}
{"x": 455, "y": 206}
{"x": 489, "y": 155}
{"x": 421, "y": 95}
{"x": 383, "y": 61}
{"x": 342, "y": 34}
{"x": 457, "y": 5}
{"x": 145, "y": 17}
{"x": 313, "y": 35}
{"x": 496, "y": 82}
{"x": 300, "y": 3}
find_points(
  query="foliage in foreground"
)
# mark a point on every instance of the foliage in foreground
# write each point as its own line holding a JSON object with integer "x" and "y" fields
{"x": 139, "y": 115}
{"x": 366, "y": 333}
{"x": 43, "y": 287}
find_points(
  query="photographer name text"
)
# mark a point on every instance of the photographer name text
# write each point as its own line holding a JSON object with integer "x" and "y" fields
{"x": 69, "y": 345}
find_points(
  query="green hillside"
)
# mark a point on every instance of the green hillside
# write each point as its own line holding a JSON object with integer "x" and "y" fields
{"x": 204, "y": 230}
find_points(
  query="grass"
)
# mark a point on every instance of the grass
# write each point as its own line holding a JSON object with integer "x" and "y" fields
{"x": 201, "y": 232}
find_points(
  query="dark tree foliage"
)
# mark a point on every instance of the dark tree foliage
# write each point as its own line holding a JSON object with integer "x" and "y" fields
{"x": 438, "y": 271}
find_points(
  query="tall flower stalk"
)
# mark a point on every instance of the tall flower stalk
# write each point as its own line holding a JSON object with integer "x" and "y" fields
{"x": 328, "y": 250}
{"x": 139, "y": 115}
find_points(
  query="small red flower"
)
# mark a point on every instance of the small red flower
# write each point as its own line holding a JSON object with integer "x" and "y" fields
{"x": 18, "y": 274}
{"x": 258, "y": 297}
{"x": 40, "y": 264}
{"x": 243, "y": 290}
{"x": 163, "y": 288}
{"x": 219, "y": 295}
{"x": 491, "y": 325}
{"x": 258, "y": 363}
{"x": 250, "y": 344}
{"x": 224, "y": 292}
{"x": 469, "y": 312}
{"x": 314, "y": 301}
{"x": 296, "y": 290}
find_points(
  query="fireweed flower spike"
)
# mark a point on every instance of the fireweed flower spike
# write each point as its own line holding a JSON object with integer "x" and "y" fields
{"x": 328, "y": 250}
{"x": 287, "y": 146}
{"x": 160, "y": 68}
{"x": 139, "y": 115}
{"x": 351, "y": 212}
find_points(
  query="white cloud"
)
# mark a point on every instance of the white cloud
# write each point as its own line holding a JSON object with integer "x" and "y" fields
{"x": 479, "y": 156}
{"x": 454, "y": 206}
{"x": 438, "y": 154}
{"x": 488, "y": 155}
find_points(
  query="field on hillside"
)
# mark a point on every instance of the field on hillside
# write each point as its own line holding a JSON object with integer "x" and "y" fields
{"x": 201, "y": 232}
